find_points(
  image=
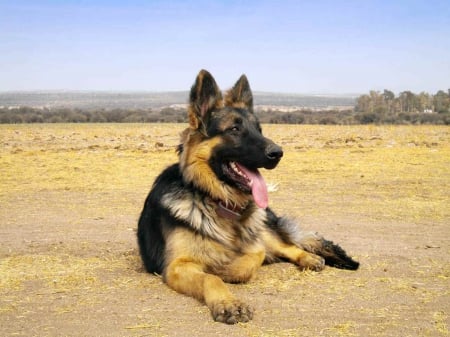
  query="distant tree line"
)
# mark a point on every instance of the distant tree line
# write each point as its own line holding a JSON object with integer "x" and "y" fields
{"x": 373, "y": 108}
{"x": 406, "y": 108}
{"x": 307, "y": 116}
{"x": 76, "y": 115}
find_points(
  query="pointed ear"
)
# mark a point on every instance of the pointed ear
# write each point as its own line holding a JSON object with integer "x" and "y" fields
{"x": 204, "y": 98}
{"x": 240, "y": 96}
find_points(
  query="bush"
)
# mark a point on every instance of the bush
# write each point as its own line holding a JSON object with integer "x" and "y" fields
{"x": 367, "y": 118}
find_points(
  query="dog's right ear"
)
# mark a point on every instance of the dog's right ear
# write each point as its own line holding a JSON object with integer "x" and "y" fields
{"x": 204, "y": 98}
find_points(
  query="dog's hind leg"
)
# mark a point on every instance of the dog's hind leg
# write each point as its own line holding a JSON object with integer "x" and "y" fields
{"x": 290, "y": 233}
{"x": 187, "y": 277}
{"x": 333, "y": 254}
{"x": 276, "y": 248}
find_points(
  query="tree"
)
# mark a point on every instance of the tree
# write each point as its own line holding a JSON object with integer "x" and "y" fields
{"x": 363, "y": 103}
{"x": 407, "y": 101}
{"x": 389, "y": 98}
{"x": 441, "y": 101}
{"x": 425, "y": 102}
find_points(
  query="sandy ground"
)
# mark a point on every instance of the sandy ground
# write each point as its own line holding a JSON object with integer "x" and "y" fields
{"x": 70, "y": 197}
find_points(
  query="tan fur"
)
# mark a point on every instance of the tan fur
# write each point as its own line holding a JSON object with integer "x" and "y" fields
{"x": 238, "y": 105}
{"x": 294, "y": 254}
{"x": 198, "y": 266}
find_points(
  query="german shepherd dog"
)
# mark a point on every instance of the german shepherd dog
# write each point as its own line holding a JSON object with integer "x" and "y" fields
{"x": 206, "y": 220}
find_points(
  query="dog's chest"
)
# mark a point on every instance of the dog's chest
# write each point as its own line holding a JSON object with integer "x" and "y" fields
{"x": 200, "y": 215}
{"x": 230, "y": 248}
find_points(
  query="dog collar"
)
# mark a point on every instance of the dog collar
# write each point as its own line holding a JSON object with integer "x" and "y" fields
{"x": 229, "y": 211}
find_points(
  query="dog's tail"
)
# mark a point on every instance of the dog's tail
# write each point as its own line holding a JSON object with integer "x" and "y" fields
{"x": 314, "y": 243}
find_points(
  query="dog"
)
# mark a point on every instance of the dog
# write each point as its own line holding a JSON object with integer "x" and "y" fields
{"x": 206, "y": 221}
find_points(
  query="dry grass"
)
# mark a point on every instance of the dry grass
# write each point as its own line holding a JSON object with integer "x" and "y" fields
{"x": 392, "y": 172}
{"x": 70, "y": 196}
{"x": 377, "y": 172}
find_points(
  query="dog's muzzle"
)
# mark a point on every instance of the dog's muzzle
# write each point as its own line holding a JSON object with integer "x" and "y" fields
{"x": 273, "y": 154}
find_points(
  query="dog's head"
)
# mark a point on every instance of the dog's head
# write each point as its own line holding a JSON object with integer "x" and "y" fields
{"x": 224, "y": 147}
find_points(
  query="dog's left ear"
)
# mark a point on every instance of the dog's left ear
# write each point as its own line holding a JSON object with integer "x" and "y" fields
{"x": 240, "y": 96}
{"x": 205, "y": 97}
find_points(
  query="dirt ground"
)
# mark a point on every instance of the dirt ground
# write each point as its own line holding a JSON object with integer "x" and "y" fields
{"x": 70, "y": 197}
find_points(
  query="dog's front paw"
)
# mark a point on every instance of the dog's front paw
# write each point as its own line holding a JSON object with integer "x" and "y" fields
{"x": 231, "y": 312}
{"x": 312, "y": 262}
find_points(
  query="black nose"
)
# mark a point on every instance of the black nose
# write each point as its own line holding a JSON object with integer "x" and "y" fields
{"x": 274, "y": 152}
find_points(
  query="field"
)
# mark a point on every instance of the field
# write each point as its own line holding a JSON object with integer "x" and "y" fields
{"x": 70, "y": 197}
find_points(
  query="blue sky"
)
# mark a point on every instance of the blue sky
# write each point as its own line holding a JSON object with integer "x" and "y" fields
{"x": 282, "y": 46}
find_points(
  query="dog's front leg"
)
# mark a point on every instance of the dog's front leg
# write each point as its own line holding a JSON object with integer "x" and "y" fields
{"x": 188, "y": 277}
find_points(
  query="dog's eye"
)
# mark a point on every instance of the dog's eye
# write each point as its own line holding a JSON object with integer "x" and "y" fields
{"x": 234, "y": 128}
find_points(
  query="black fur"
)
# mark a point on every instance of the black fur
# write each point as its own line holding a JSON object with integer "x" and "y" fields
{"x": 153, "y": 217}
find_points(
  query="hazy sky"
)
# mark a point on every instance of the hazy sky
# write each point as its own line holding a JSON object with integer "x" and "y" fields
{"x": 283, "y": 46}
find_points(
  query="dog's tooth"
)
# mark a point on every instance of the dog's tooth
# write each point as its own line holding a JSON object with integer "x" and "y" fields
{"x": 235, "y": 168}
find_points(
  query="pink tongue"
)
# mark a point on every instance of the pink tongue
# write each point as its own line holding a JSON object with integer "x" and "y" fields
{"x": 259, "y": 188}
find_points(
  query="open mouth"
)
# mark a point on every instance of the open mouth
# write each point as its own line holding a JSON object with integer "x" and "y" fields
{"x": 249, "y": 181}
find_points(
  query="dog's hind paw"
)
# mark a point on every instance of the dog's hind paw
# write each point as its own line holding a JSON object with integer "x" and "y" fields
{"x": 231, "y": 312}
{"x": 312, "y": 262}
